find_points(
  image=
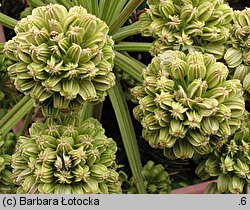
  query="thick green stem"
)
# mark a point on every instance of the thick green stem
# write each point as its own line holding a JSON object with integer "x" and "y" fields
{"x": 7, "y": 21}
{"x": 123, "y": 16}
{"x": 128, "y": 65}
{"x": 133, "y": 46}
{"x": 127, "y": 31}
{"x": 16, "y": 114}
{"x": 128, "y": 134}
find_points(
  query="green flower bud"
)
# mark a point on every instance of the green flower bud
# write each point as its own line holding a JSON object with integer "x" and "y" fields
{"x": 211, "y": 188}
{"x": 241, "y": 72}
{"x": 205, "y": 11}
{"x": 241, "y": 169}
{"x": 246, "y": 82}
{"x": 233, "y": 57}
{"x": 216, "y": 74}
{"x": 212, "y": 166}
{"x": 196, "y": 88}
{"x": 201, "y": 172}
{"x": 236, "y": 185}
{"x": 183, "y": 149}
{"x": 223, "y": 183}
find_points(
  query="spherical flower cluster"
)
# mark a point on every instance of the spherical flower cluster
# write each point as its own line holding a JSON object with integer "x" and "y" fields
{"x": 185, "y": 100}
{"x": 61, "y": 57}
{"x": 238, "y": 54}
{"x": 63, "y": 158}
{"x": 7, "y": 145}
{"x": 177, "y": 24}
{"x": 156, "y": 180}
{"x": 230, "y": 161}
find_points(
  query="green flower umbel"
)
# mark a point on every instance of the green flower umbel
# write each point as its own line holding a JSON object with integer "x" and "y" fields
{"x": 179, "y": 24}
{"x": 61, "y": 57}
{"x": 185, "y": 100}
{"x": 63, "y": 158}
{"x": 230, "y": 161}
{"x": 7, "y": 145}
{"x": 238, "y": 54}
{"x": 156, "y": 179}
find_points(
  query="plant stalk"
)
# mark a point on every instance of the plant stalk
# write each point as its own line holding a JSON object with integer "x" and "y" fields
{"x": 129, "y": 65}
{"x": 127, "y": 31}
{"x": 126, "y": 12}
{"x": 7, "y": 21}
{"x": 16, "y": 114}
{"x": 133, "y": 46}
{"x": 128, "y": 134}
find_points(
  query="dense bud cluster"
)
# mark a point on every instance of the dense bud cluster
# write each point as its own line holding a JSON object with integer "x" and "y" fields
{"x": 185, "y": 100}
{"x": 182, "y": 23}
{"x": 230, "y": 161}
{"x": 63, "y": 158}
{"x": 61, "y": 57}
{"x": 238, "y": 55}
{"x": 7, "y": 145}
{"x": 156, "y": 179}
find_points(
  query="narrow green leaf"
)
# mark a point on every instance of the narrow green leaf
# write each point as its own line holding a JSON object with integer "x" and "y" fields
{"x": 128, "y": 134}
{"x": 75, "y": 2}
{"x": 123, "y": 16}
{"x": 95, "y": 8}
{"x": 35, "y": 3}
{"x": 16, "y": 116}
{"x": 89, "y": 4}
{"x": 83, "y": 3}
{"x": 14, "y": 110}
{"x": 109, "y": 11}
{"x": 1, "y": 47}
{"x": 67, "y": 4}
{"x": 142, "y": 65}
{"x": 101, "y": 7}
{"x": 128, "y": 65}
{"x": 106, "y": 7}
{"x": 127, "y": 31}
{"x": 133, "y": 46}
{"x": 118, "y": 9}
{"x": 7, "y": 21}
